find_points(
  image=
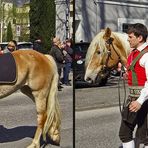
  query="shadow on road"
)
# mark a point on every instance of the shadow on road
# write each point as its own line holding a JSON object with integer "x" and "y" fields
{"x": 18, "y": 133}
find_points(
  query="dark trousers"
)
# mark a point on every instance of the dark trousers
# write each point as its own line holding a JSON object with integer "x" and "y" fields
{"x": 59, "y": 72}
{"x": 126, "y": 128}
{"x": 66, "y": 71}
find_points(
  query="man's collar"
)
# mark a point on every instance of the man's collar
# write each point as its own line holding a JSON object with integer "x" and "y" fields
{"x": 140, "y": 48}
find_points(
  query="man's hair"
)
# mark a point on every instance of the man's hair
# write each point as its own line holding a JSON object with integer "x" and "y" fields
{"x": 139, "y": 30}
{"x": 15, "y": 42}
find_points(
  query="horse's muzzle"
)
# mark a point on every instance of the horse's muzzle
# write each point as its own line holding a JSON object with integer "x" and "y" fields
{"x": 89, "y": 80}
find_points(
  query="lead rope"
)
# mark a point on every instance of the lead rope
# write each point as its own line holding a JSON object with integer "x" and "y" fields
{"x": 124, "y": 86}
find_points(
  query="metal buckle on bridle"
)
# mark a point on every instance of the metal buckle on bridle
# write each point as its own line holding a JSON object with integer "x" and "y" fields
{"x": 109, "y": 41}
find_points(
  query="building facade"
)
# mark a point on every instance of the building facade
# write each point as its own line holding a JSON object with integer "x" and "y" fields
{"x": 93, "y": 15}
{"x": 64, "y": 18}
{"x": 19, "y": 19}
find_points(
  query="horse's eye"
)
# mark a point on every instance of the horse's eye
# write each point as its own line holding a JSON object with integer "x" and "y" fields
{"x": 98, "y": 52}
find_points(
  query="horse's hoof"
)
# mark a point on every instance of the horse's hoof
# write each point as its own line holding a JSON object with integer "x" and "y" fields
{"x": 33, "y": 145}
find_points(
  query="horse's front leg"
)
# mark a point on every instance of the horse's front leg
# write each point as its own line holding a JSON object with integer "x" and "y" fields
{"x": 36, "y": 141}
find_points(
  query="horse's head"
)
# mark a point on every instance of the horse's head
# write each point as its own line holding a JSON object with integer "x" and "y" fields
{"x": 104, "y": 53}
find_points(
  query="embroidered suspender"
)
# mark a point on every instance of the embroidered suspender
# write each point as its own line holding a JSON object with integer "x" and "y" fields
{"x": 134, "y": 76}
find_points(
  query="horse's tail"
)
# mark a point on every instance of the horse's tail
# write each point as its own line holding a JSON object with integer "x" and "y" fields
{"x": 53, "y": 120}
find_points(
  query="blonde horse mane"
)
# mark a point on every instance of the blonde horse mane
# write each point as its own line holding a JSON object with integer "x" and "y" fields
{"x": 99, "y": 41}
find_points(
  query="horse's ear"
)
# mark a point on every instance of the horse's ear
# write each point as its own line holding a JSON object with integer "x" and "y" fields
{"x": 107, "y": 33}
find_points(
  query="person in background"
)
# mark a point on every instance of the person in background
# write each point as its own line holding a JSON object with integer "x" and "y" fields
{"x": 56, "y": 53}
{"x": 1, "y": 51}
{"x": 12, "y": 46}
{"x": 68, "y": 52}
{"x": 37, "y": 45}
{"x": 135, "y": 110}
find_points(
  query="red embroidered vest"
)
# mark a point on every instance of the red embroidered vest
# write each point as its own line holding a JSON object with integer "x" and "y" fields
{"x": 140, "y": 71}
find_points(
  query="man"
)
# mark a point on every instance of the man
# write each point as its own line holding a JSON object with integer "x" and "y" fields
{"x": 136, "y": 107}
{"x": 37, "y": 45}
{"x": 57, "y": 54}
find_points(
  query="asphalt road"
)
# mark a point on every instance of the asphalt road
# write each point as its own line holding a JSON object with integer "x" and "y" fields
{"x": 98, "y": 128}
{"x": 18, "y": 120}
{"x": 100, "y": 97}
{"x": 98, "y": 115}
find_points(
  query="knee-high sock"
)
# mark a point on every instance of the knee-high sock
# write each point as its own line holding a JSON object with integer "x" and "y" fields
{"x": 129, "y": 144}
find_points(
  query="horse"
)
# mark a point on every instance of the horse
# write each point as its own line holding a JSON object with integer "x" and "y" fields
{"x": 37, "y": 77}
{"x": 106, "y": 50}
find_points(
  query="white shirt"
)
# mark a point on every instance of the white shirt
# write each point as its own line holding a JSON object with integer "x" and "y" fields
{"x": 144, "y": 63}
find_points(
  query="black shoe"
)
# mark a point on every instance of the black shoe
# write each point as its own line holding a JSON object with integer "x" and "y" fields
{"x": 68, "y": 84}
{"x": 59, "y": 89}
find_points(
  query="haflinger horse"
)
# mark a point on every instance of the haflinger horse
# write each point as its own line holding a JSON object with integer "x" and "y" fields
{"x": 37, "y": 77}
{"x": 106, "y": 50}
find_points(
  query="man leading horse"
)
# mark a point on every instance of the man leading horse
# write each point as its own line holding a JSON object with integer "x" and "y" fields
{"x": 136, "y": 106}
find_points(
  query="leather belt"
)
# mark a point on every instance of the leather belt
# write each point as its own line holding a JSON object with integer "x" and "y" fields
{"x": 134, "y": 91}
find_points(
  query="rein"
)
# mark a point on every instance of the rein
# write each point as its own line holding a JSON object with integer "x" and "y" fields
{"x": 110, "y": 43}
{"x": 124, "y": 87}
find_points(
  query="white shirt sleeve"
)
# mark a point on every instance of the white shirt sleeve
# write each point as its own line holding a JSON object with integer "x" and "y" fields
{"x": 144, "y": 92}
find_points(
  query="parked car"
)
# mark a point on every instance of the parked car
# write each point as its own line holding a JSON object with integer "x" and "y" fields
{"x": 80, "y": 50}
{"x": 20, "y": 45}
{"x": 24, "y": 45}
{"x": 3, "y": 45}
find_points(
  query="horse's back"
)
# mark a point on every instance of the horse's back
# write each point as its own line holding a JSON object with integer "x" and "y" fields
{"x": 31, "y": 57}
{"x": 35, "y": 67}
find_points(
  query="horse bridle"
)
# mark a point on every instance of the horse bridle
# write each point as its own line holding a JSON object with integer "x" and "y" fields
{"x": 109, "y": 42}
{"x": 105, "y": 69}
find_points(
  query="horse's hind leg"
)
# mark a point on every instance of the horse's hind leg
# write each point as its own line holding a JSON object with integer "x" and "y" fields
{"x": 40, "y": 99}
{"x": 41, "y": 117}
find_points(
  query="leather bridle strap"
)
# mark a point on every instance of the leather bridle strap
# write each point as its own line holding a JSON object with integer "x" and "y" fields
{"x": 110, "y": 43}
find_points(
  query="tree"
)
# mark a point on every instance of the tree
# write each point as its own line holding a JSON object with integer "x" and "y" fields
{"x": 9, "y": 32}
{"x": 42, "y": 22}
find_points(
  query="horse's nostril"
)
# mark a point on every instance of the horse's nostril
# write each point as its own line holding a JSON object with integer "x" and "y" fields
{"x": 88, "y": 79}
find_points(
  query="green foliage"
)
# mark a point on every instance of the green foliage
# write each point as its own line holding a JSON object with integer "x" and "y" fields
{"x": 9, "y": 32}
{"x": 42, "y": 22}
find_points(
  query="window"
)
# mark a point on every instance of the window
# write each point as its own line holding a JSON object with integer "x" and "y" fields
{"x": 123, "y": 23}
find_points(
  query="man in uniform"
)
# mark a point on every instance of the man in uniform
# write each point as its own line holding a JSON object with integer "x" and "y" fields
{"x": 136, "y": 107}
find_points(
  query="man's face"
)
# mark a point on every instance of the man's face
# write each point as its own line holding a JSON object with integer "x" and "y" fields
{"x": 133, "y": 40}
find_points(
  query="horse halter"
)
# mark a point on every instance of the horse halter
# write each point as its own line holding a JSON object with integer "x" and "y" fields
{"x": 110, "y": 43}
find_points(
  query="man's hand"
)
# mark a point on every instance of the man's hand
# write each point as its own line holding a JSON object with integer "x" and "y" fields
{"x": 125, "y": 75}
{"x": 64, "y": 52}
{"x": 134, "y": 106}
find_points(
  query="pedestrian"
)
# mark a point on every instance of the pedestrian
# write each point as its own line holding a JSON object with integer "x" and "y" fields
{"x": 37, "y": 45}
{"x": 12, "y": 46}
{"x": 56, "y": 52}
{"x": 1, "y": 51}
{"x": 135, "y": 109}
{"x": 68, "y": 52}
